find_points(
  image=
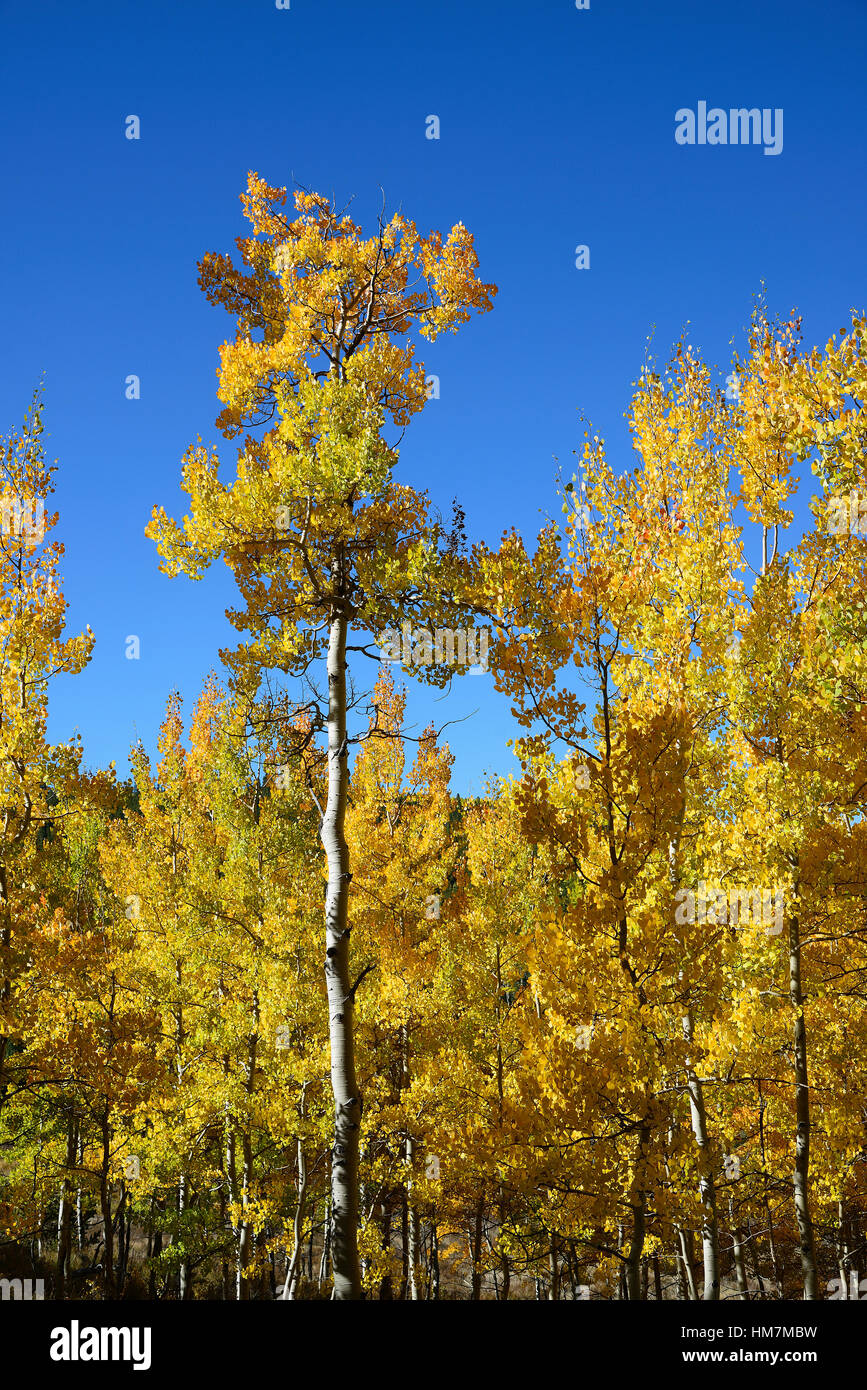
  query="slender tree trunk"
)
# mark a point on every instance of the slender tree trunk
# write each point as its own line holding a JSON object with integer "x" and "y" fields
{"x": 120, "y": 1226}
{"x": 404, "y": 1244}
{"x": 686, "y": 1264}
{"x": 79, "y": 1218}
{"x": 706, "y": 1184}
{"x": 341, "y": 1000}
{"x": 386, "y": 1290}
{"x": 155, "y": 1254}
{"x": 124, "y": 1225}
{"x": 772, "y": 1245}
{"x": 183, "y": 1268}
{"x": 682, "y": 1262}
{"x": 294, "y": 1264}
{"x": 245, "y": 1226}
{"x": 698, "y": 1115}
{"x": 772, "y": 1251}
{"x": 246, "y": 1231}
{"x": 738, "y": 1256}
{"x": 435, "y": 1263}
{"x": 180, "y": 1041}
{"x": 504, "y": 1259}
{"x": 553, "y": 1265}
{"x": 854, "y": 1249}
{"x": 64, "y": 1215}
{"x": 232, "y": 1185}
{"x": 105, "y": 1209}
{"x": 657, "y": 1277}
{"x": 636, "y": 1247}
{"x": 507, "y": 1275}
{"x": 801, "y": 1176}
{"x": 5, "y": 957}
{"x": 476, "y": 1292}
{"x": 752, "y": 1249}
{"x": 412, "y": 1227}
{"x": 326, "y": 1246}
{"x": 410, "y": 1230}
{"x": 639, "y": 1217}
{"x": 843, "y": 1253}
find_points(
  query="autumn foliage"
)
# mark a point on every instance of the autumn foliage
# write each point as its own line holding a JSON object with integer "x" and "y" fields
{"x": 607, "y": 1020}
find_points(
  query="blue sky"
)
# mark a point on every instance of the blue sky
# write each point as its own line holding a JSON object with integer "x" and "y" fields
{"x": 557, "y": 129}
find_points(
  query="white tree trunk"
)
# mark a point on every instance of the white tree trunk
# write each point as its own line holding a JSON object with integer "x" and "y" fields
{"x": 344, "y": 1086}
{"x": 800, "y": 1178}
{"x": 706, "y": 1184}
{"x": 293, "y": 1270}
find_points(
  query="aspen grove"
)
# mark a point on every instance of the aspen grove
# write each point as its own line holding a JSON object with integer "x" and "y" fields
{"x": 283, "y": 1015}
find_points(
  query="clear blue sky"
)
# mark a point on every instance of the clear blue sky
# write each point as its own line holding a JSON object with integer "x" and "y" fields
{"x": 557, "y": 128}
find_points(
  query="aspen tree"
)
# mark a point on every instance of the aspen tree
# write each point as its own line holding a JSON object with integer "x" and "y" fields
{"x": 322, "y": 541}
